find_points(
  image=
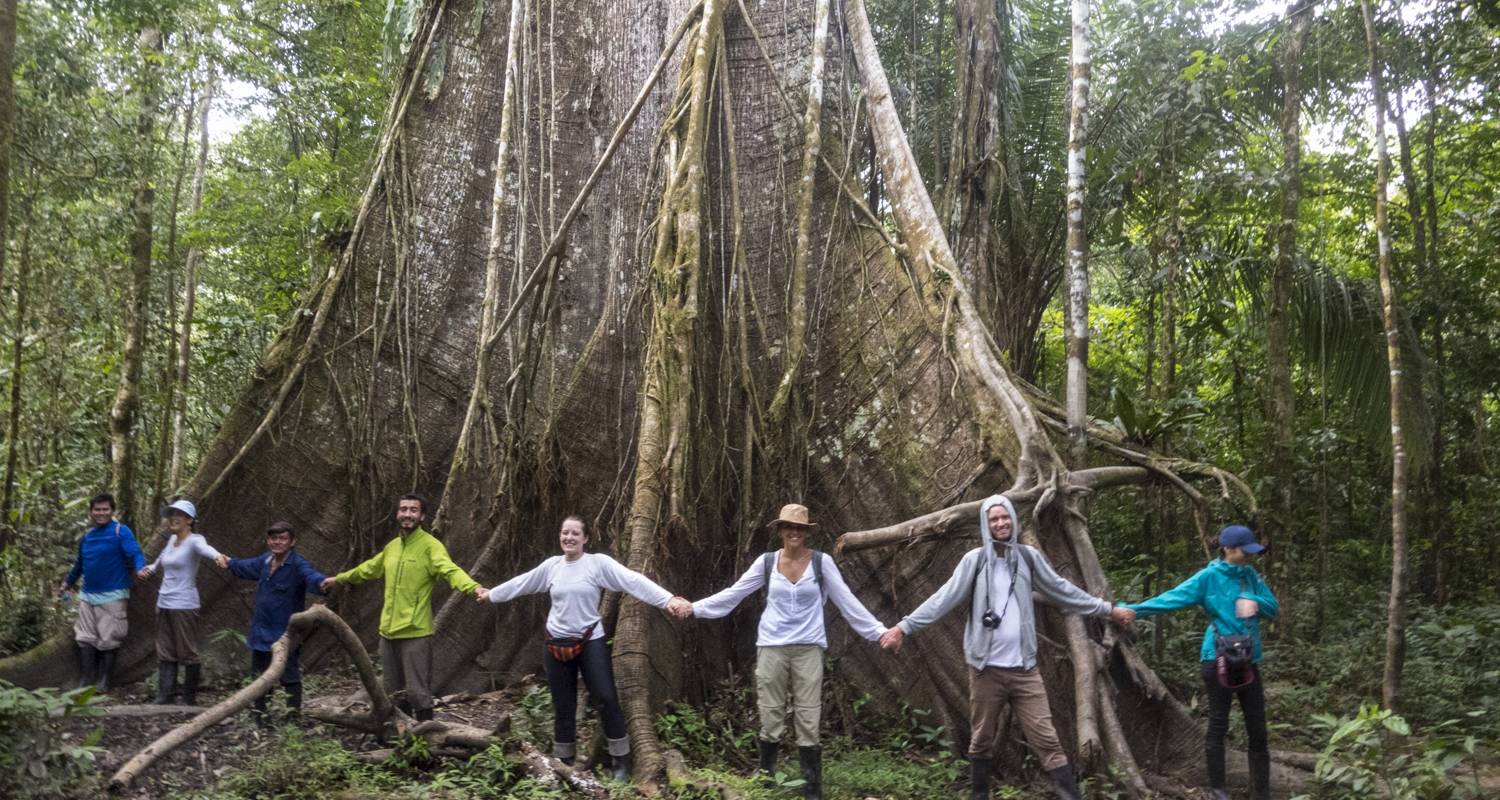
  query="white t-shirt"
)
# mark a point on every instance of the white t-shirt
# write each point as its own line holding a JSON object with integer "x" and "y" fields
{"x": 575, "y": 588}
{"x": 1005, "y": 645}
{"x": 794, "y": 611}
{"x": 178, "y": 562}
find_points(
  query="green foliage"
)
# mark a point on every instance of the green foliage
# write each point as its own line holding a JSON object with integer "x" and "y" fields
{"x": 1373, "y": 753}
{"x": 37, "y": 760}
{"x": 299, "y": 767}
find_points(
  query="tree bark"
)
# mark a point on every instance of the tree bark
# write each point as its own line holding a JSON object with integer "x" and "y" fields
{"x": 1078, "y": 243}
{"x": 189, "y": 300}
{"x": 1282, "y": 395}
{"x": 7, "y": 137}
{"x": 122, "y": 414}
{"x": 1395, "y": 638}
{"x": 17, "y": 390}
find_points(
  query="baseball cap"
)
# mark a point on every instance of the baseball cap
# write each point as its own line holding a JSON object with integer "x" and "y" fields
{"x": 185, "y": 506}
{"x": 1241, "y": 537}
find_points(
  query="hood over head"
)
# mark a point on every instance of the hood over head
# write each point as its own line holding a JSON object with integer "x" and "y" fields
{"x": 985, "y": 540}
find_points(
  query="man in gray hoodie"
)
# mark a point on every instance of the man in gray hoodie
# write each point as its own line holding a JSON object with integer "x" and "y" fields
{"x": 997, "y": 579}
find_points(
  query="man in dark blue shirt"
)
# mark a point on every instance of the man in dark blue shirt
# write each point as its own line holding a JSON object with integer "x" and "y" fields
{"x": 107, "y": 558}
{"x": 283, "y": 579}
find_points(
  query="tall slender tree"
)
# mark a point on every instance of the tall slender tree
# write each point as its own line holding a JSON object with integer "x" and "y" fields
{"x": 127, "y": 401}
{"x": 1395, "y": 636}
{"x": 189, "y": 299}
{"x": 1078, "y": 242}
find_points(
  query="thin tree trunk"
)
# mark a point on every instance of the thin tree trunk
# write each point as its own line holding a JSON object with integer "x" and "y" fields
{"x": 7, "y": 135}
{"x": 1078, "y": 245}
{"x": 127, "y": 396}
{"x": 1278, "y": 350}
{"x": 1395, "y": 637}
{"x": 189, "y": 298}
{"x": 1439, "y": 491}
{"x": 17, "y": 394}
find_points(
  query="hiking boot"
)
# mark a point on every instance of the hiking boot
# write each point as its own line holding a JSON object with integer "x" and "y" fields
{"x": 105, "y": 667}
{"x": 190, "y": 680}
{"x": 88, "y": 665}
{"x": 1218, "y": 794}
{"x": 166, "y": 682}
{"x": 812, "y": 772}
{"x": 1260, "y": 776}
{"x": 768, "y": 752}
{"x": 1065, "y": 783}
{"x": 979, "y": 778}
{"x": 619, "y": 767}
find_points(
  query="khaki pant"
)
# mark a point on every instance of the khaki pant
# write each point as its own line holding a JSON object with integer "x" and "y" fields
{"x": 406, "y": 668}
{"x": 102, "y": 627}
{"x": 790, "y": 672}
{"x": 177, "y": 635}
{"x": 989, "y": 689}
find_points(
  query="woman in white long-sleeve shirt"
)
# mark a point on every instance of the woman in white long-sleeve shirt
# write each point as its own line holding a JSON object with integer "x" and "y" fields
{"x": 791, "y": 637}
{"x": 575, "y": 638}
{"x": 177, "y": 633}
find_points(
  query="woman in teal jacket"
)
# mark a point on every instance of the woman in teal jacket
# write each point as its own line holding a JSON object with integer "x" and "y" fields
{"x": 1236, "y": 599}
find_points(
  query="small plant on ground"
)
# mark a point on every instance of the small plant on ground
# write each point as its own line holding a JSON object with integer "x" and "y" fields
{"x": 37, "y": 760}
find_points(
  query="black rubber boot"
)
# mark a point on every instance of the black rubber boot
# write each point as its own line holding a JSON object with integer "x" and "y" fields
{"x": 106, "y": 666}
{"x": 88, "y": 665}
{"x": 1260, "y": 776}
{"x": 619, "y": 767}
{"x": 166, "y": 681}
{"x": 422, "y": 714}
{"x": 979, "y": 778}
{"x": 293, "y": 699}
{"x": 1064, "y": 782}
{"x": 812, "y": 772}
{"x": 192, "y": 677}
{"x": 768, "y": 752}
{"x": 1218, "y": 794}
{"x": 1217, "y": 782}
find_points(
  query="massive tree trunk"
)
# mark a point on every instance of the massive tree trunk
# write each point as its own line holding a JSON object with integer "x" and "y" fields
{"x": 1282, "y": 397}
{"x": 122, "y": 414}
{"x": 477, "y": 342}
{"x": 1395, "y": 637}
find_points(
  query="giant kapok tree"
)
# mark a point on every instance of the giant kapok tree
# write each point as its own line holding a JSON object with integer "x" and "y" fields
{"x": 668, "y": 265}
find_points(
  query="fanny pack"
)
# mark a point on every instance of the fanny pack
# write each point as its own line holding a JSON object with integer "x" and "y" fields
{"x": 567, "y": 649}
{"x": 1234, "y": 657}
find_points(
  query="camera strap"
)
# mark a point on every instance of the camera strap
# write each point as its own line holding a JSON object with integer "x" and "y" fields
{"x": 989, "y": 610}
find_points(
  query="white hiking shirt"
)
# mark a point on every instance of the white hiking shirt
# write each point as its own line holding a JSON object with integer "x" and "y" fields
{"x": 794, "y": 611}
{"x": 575, "y": 588}
{"x": 178, "y": 563}
{"x": 1005, "y": 645}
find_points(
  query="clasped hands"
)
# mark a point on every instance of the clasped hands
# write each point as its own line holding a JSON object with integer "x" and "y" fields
{"x": 894, "y": 637}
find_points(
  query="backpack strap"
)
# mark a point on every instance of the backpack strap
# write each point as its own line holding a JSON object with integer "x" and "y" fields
{"x": 768, "y": 561}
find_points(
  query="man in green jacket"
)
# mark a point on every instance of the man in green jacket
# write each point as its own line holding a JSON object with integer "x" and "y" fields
{"x": 410, "y": 563}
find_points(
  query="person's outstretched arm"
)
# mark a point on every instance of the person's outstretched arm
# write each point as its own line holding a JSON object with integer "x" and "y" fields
{"x": 855, "y": 613}
{"x": 958, "y": 588}
{"x": 1187, "y": 594}
{"x": 620, "y": 578}
{"x": 720, "y": 603}
{"x": 372, "y": 568}
{"x": 539, "y": 579}
{"x": 443, "y": 567}
{"x": 311, "y": 577}
{"x": 130, "y": 547}
{"x": 247, "y": 568}
{"x": 1062, "y": 592}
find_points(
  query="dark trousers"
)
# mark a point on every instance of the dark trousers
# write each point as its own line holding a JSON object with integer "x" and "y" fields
{"x": 599, "y": 677}
{"x": 260, "y": 660}
{"x": 1252, "y": 702}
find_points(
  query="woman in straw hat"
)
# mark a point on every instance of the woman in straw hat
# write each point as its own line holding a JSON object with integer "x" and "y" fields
{"x": 791, "y": 637}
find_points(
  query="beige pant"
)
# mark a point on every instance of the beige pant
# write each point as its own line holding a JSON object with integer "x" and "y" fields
{"x": 790, "y": 672}
{"x": 102, "y": 627}
{"x": 177, "y": 635}
{"x": 989, "y": 689}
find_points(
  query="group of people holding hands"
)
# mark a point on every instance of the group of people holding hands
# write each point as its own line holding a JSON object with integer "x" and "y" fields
{"x": 996, "y": 580}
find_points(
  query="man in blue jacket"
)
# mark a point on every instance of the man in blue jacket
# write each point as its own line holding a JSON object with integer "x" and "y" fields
{"x": 283, "y": 579}
{"x": 108, "y": 556}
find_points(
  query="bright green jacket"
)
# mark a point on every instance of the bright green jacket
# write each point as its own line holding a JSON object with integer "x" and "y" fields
{"x": 410, "y": 564}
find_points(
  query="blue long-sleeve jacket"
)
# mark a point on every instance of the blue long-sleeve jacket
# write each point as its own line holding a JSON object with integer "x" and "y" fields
{"x": 278, "y": 595}
{"x": 1214, "y": 589}
{"x": 108, "y": 557}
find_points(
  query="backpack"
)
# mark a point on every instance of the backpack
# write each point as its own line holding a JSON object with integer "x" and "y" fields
{"x": 768, "y": 563}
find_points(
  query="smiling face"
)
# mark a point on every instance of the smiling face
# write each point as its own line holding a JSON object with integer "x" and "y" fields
{"x": 1000, "y": 525}
{"x": 409, "y": 515}
{"x": 178, "y": 522}
{"x": 572, "y": 538}
{"x": 101, "y": 513}
{"x": 793, "y": 537}
{"x": 280, "y": 542}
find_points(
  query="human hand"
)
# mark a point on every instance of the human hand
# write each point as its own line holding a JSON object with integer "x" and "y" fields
{"x": 481, "y": 594}
{"x": 1122, "y": 615}
{"x": 144, "y": 573}
{"x": 222, "y": 561}
{"x": 892, "y": 640}
{"x": 679, "y": 607}
{"x": 328, "y": 583}
{"x": 63, "y": 590}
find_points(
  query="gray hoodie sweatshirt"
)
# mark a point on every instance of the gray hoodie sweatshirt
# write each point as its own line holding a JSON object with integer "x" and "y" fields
{"x": 971, "y": 581}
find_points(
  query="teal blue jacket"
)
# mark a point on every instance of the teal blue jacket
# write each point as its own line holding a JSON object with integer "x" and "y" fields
{"x": 1214, "y": 589}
